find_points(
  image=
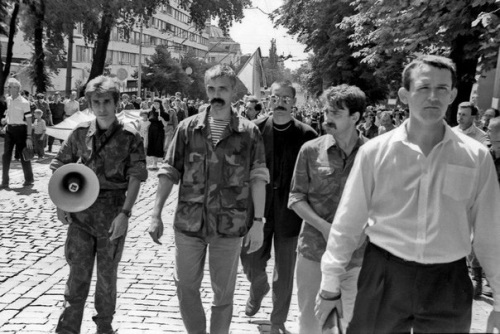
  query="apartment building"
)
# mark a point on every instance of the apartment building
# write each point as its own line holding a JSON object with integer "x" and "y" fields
{"x": 169, "y": 26}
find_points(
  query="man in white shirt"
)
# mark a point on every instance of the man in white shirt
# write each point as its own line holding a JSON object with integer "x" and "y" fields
{"x": 466, "y": 114}
{"x": 71, "y": 106}
{"x": 419, "y": 192}
{"x": 17, "y": 133}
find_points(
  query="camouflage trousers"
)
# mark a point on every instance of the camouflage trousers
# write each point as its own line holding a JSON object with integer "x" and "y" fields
{"x": 88, "y": 239}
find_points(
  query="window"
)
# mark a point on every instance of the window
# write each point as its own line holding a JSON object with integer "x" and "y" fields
{"x": 83, "y": 54}
{"x": 125, "y": 59}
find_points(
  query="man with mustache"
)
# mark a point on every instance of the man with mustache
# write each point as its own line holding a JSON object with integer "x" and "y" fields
{"x": 218, "y": 158}
{"x": 420, "y": 193}
{"x": 283, "y": 136}
{"x": 319, "y": 177}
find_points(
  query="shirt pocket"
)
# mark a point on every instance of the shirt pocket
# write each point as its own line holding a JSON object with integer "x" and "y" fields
{"x": 234, "y": 172}
{"x": 324, "y": 183}
{"x": 459, "y": 182}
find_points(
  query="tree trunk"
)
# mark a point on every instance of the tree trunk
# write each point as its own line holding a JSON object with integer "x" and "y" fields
{"x": 40, "y": 77}
{"x": 4, "y": 74}
{"x": 101, "y": 45}
{"x": 466, "y": 72}
{"x": 69, "y": 62}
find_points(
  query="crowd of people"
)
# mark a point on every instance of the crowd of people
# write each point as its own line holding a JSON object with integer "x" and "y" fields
{"x": 375, "y": 213}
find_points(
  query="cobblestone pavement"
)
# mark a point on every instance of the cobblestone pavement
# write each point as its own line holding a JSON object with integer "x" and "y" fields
{"x": 33, "y": 270}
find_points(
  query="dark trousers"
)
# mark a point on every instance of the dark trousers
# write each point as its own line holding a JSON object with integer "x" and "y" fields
{"x": 88, "y": 239}
{"x": 15, "y": 136}
{"x": 254, "y": 266}
{"x": 395, "y": 296}
{"x": 51, "y": 139}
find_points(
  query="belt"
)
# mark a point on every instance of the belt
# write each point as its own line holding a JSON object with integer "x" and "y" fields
{"x": 391, "y": 257}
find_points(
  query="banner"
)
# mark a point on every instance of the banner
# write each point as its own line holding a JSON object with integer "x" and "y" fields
{"x": 63, "y": 129}
{"x": 252, "y": 74}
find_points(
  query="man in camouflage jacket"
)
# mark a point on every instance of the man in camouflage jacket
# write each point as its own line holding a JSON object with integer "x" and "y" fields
{"x": 115, "y": 152}
{"x": 218, "y": 158}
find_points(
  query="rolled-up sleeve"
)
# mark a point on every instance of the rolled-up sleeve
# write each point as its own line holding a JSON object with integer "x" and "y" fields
{"x": 259, "y": 170}
{"x": 173, "y": 164}
{"x": 137, "y": 167}
{"x": 66, "y": 153}
{"x": 300, "y": 180}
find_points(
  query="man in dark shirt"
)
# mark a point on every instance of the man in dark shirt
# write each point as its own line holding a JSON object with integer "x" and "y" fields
{"x": 283, "y": 136}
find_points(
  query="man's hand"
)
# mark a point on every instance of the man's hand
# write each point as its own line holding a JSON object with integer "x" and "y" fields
{"x": 118, "y": 227}
{"x": 493, "y": 322}
{"x": 64, "y": 217}
{"x": 29, "y": 143}
{"x": 324, "y": 307}
{"x": 156, "y": 229}
{"x": 325, "y": 230}
{"x": 254, "y": 237}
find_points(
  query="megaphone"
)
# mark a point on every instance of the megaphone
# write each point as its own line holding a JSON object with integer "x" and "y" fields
{"x": 73, "y": 187}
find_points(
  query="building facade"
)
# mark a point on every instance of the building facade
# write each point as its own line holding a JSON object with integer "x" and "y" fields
{"x": 168, "y": 26}
{"x": 222, "y": 49}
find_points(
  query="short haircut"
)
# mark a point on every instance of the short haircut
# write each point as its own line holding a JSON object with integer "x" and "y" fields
{"x": 495, "y": 111}
{"x": 494, "y": 126}
{"x": 471, "y": 106}
{"x": 125, "y": 96}
{"x": 102, "y": 85}
{"x": 285, "y": 84}
{"x": 38, "y": 111}
{"x": 252, "y": 99}
{"x": 14, "y": 82}
{"x": 220, "y": 71}
{"x": 344, "y": 95}
{"x": 430, "y": 60}
{"x": 40, "y": 96}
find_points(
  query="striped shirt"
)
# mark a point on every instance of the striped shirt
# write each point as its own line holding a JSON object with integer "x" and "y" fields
{"x": 217, "y": 127}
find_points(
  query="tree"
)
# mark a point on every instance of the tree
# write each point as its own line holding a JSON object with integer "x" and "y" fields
{"x": 10, "y": 32}
{"x": 125, "y": 13}
{"x": 164, "y": 74}
{"x": 316, "y": 24}
{"x": 196, "y": 87}
{"x": 388, "y": 33}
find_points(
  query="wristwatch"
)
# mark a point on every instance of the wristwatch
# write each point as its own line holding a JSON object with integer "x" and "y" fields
{"x": 127, "y": 213}
{"x": 261, "y": 219}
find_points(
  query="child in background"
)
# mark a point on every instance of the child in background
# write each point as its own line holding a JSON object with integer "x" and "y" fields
{"x": 39, "y": 136}
{"x": 143, "y": 127}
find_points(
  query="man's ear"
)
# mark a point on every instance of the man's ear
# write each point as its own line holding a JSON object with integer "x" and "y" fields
{"x": 356, "y": 116}
{"x": 403, "y": 95}
{"x": 454, "y": 93}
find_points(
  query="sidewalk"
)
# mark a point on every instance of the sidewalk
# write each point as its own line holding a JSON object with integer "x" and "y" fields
{"x": 33, "y": 270}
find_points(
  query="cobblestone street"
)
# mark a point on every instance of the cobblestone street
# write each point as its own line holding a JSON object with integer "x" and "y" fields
{"x": 33, "y": 269}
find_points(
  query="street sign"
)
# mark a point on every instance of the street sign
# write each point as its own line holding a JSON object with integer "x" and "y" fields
{"x": 122, "y": 74}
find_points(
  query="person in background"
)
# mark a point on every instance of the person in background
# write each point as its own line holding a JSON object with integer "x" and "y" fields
{"x": 156, "y": 132}
{"x": 71, "y": 105}
{"x": 368, "y": 128}
{"x": 39, "y": 134}
{"x": 466, "y": 114}
{"x": 18, "y": 121}
{"x": 487, "y": 115}
{"x": 386, "y": 123}
{"x": 57, "y": 108}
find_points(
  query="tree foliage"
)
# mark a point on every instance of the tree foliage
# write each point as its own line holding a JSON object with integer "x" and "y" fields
{"x": 163, "y": 74}
{"x": 316, "y": 24}
{"x": 374, "y": 39}
{"x": 196, "y": 87}
{"x": 8, "y": 31}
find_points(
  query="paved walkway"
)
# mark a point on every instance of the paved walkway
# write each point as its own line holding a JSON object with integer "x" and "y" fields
{"x": 33, "y": 270}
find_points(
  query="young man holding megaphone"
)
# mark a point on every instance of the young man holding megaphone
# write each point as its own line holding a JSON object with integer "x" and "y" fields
{"x": 115, "y": 153}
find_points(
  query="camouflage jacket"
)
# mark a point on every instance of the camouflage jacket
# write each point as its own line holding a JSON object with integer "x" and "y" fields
{"x": 214, "y": 191}
{"x": 319, "y": 178}
{"x": 121, "y": 157}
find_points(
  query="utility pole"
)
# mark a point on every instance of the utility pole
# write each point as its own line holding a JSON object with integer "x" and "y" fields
{"x": 139, "y": 71}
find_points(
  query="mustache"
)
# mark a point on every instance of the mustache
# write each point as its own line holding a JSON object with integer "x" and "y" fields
{"x": 217, "y": 100}
{"x": 279, "y": 109}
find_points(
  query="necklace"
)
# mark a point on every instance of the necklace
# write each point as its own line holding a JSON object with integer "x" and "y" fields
{"x": 277, "y": 129}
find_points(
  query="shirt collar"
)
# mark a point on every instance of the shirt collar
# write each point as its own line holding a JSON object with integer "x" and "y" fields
{"x": 400, "y": 133}
{"x": 201, "y": 120}
{"x": 330, "y": 142}
{"x": 93, "y": 127}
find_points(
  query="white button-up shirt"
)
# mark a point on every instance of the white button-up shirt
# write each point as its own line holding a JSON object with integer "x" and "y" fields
{"x": 473, "y": 132}
{"x": 420, "y": 208}
{"x": 18, "y": 110}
